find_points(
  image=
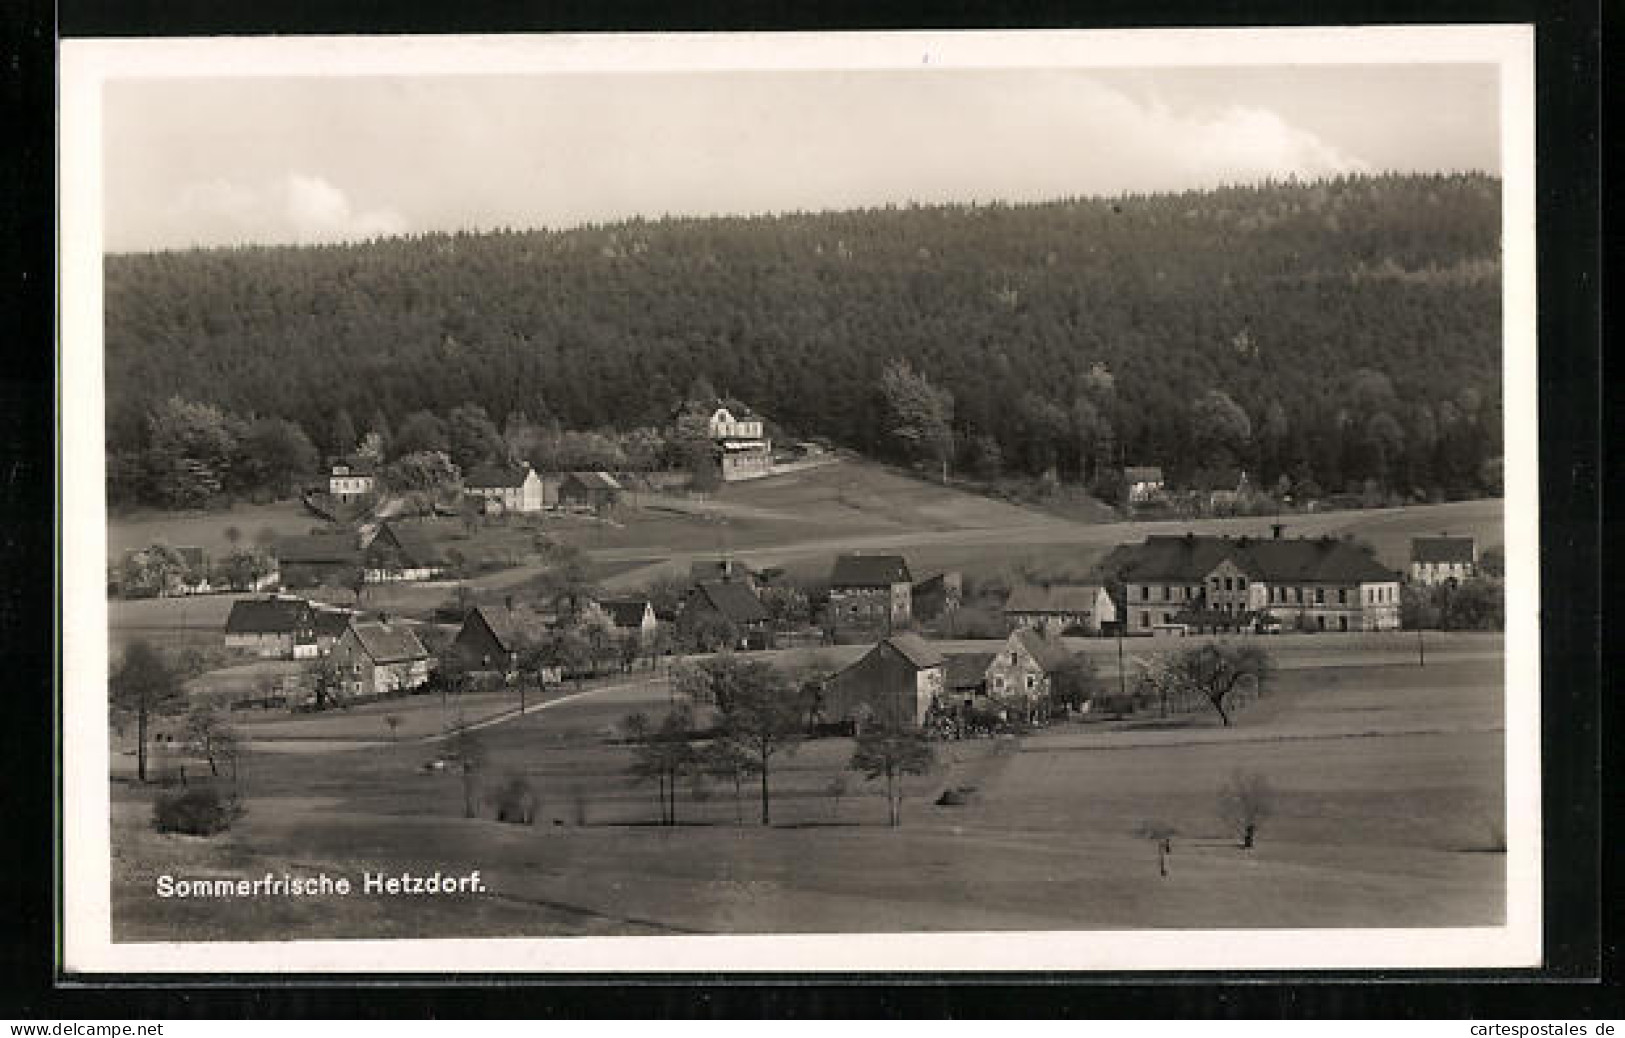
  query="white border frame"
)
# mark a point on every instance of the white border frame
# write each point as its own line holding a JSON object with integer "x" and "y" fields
{"x": 86, "y": 65}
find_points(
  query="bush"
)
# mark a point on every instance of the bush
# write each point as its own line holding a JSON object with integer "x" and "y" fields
{"x": 198, "y": 811}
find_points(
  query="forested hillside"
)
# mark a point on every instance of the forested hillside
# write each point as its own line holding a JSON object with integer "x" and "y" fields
{"x": 1332, "y": 332}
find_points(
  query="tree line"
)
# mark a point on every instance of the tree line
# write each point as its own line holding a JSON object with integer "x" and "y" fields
{"x": 1331, "y": 332}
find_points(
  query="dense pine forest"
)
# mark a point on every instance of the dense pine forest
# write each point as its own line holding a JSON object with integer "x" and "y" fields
{"x": 1330, "y": 333}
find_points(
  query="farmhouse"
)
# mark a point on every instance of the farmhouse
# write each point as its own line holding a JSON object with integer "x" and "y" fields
{"x": 316, "y": 559}
{"x": 632, "y": 617}
{"x": 1322, "y": 584}
{"x": 594, "y": 491}
{"x": 1020, "y": 676}
{"x": 1144, "y": 483}
{"x": 376, "y": 658}
{"x": 896, "y": 682}
{"x": 965, "y": 679}
{"x": 491, "y": 639}
{"x": 351, "y": 480}
{"x": 870, "y": 591}
{"x": 279, "y": 626}
{"x": 1442, "y": 559}
{"x": 715, "y": 606}
{"x": 511, "y": 488}
{"x": 401, "y": 553}
{"x": 937, "y": 596}
{"x": 742, "y": 451}
{"x": 1062, "y": 608}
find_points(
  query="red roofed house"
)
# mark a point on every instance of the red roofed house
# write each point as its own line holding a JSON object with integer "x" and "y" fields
{"x": 1441, "y": 559}
{"x": 870, "y": 591}
{"x": 377, "y": 658}
{"x": 898, "y": 681}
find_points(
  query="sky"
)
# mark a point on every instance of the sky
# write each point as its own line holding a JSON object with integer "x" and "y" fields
{"x": 318, "y": 159}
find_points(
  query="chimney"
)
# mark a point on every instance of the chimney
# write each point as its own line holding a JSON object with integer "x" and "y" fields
{"x": 1275, "y": 530}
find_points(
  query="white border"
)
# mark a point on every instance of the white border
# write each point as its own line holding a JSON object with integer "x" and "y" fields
{"x": 86, "y": 65}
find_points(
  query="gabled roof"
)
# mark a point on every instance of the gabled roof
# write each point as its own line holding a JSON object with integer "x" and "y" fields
{"x": 508, "y": 477}
{"x": 967, "y": 669}
{"x": 417, "y": 548}
{"x": 625, "y": 612}
{"x": 1442, "y": 549}
{"x": 275, "y": 615}
{"x": 1049, "y": 653}
{"x": 389, "y": 642}
{"x": 316, "y": 549}
{"x": 502, "y": 624}
{"x": 718, "y": 569}
{"x": 593, "y": 480}
{"x": 939, "y": 580}
{"x": 1056, "y": 598}
{"x": 1143, "y": 473}
{"x": 333, "y": 621}
{"x": 915, "y": 649}
{"x": 869, "y": 571}
{"x": 192, "y": 555}
{"x": 733, "y": 600}
{"x": 1189, "y": 558}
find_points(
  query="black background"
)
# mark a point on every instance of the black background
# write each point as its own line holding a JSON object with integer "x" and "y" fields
{"x": 1580, "y": 982}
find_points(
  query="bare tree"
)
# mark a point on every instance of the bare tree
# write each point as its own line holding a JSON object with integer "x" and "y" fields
{"x": 208, "y": 731}
{"x": 144, "y": 686}
{"x": 394, "y": 722}
{"x": 1244, "y": 803}
{"x": 1212, "y": 672}
{"x": 1162, "y": 834}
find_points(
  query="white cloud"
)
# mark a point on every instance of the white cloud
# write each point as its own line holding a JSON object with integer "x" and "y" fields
{"x": 298, "y": 208}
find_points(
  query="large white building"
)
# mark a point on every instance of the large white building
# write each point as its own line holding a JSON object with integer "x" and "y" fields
{"x": 743, "y": 451}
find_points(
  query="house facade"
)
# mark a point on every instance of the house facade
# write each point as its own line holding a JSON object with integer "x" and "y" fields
{"x": 351, "y": 480}
{"x": 330, "y": 625}
{"x": 1143, "y": 483}
{"x": 376, "y": 658}
{"x": 1020, "y": 676}
{"x": 743, "y": 452}
{"x": 1442, "y": 559}
{"x": 870, "y": 591}
{"x": 510, "y": 488}
{"x": 276, "y": 627}
{"x": 633, "y": 618}
{"x": 896, "y": 682}
{"x": 1061, "y": 608}
{"x": 490, "y": 639}
{"x": 1169, "y": 583}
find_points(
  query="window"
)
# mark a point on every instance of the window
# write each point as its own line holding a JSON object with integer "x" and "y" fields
{"x": 1320, "y": 621}
{"x": 1241, "y": 582}
{"x": 1320, "y": 596}
{"x": 1167, "y": 618}
{"x": 1227, "y": 586}
{"x": 1145, "y": 593}
{"x": 1300, "y": 595}
{"x": 1145, "y": 619}
{"x": 1342, "y": 596}
{"x": 1012, "y": 659}
{"x": 1032, "y": 682}
{"x": 1165, "y": 592}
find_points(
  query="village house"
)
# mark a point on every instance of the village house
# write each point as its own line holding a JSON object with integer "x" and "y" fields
{"x": 278, "y": 627}
{"x": 743, "y": 452}
{"x": 311, "y": 560}
{"x": 870, "y": 591}
{"x": 1171, "y": 582}
{"x": 1061, "y": 608}
{"x": 511, "y": 488}
{"x": 1143, "y": 483}
{"x": 351, "y": 480}
{"x": 633, "y": 618}
{"x": 399, "y": 553}
{"x": 965, "y": 681}
{"x": 491, "y": 639}
{"x": 895, "y": 683}
{"x": 716, "y": 605}
{"x": 1020, "y": 677}
{"x": 330, "y": 625}
{"x": 591, "y": 491}
{"x": 936, "y": 596}
{"x": 375, "y": 658}
{"x": 1443, "y": 559}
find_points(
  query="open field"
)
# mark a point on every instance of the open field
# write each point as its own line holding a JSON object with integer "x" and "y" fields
{"x": 206, "y": 530}
{"x": 1387, "y": 793}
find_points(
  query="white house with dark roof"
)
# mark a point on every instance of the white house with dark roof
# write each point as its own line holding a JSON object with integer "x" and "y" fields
{"x": 1143, "y": 483}
{"x": 510, "y": 488}
{"x": 351, "y": 479}
{"x": 1441, "y": 559}
{"x": 376, "y": 658}
{"x": 743, "y": 452}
